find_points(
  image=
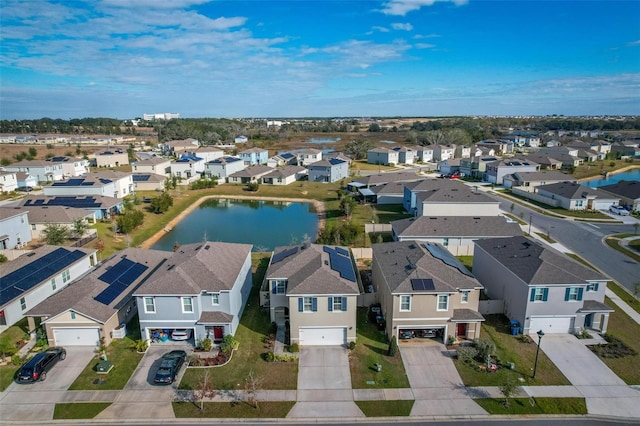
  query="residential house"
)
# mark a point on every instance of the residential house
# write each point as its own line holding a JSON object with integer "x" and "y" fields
{"x": 308, "y": 156}
{"x": 188, "y": 168}
{"x": 105, "y": 183}
{"x": 389, "y": 193}
{"x": 425, "y": 291}
{"x": 475, "y": 167}
{"x": 36, "y": 276}
{"x": 8, "y": 181}
{"x": 25, "y": 180}
{"x": 202, "y": 287}
{"x": 241, "y": 139}
{"x": 456, "y": 233}
{"x": 424, "y": 154}
{"x": 552, "y": 143}
{"x": 383, "y": 179}
{"x": 461, "y": 151}
{"x": 252, "y": 174}
{"x": 547, "y": 162}
{"x": 96, "y": 308}
{"x": 405, "y": 155}
{"x": 102, "y": 207}
{"x": 497, "y": 170}
{"x": 41, "y": 216}
{"x": 15, "y": 228}
{"x": 112, "y": 158}
{"x": 148, "y": 182}
{"x": 587, "y": 151}
{"x": 480, "y": 150}
{"x": 452, "y": 165}
{"x": 625, "y": 148}
{"x": 42, "y": 170}
{"x": 315, "y": 288}
{"x": 157, "y": 165}
{"x": 331, "y": 170}
{"x": 284, "y": 175}
{"x": 253, "y": 156}
{"x": 208, "y": 153}
{"x": 501, "y": 146}
{"x": 222, "y": 168}
{"x": 383, "y": 156}
{"x": 528, "y": 181}
{"x": 181, "y": 145}
{"x": 540, "y": 287}
{"x": 573, "y": 196}
{"x": 413, "y": 188}
{"x": 628, "y": 192}
{"x": 71, "y": 166}
{"x": 283, "y": 159}
{"x": 523, "y": 139}
{"x": 443, "y": 152}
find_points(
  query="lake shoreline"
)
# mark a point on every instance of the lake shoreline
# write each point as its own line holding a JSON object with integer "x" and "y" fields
{"x": 611, "y": 173}
{"x": 317, "y": 205}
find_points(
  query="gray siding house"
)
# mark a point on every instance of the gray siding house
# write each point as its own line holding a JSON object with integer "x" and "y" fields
{"x": 202, "y": 287}
{"x": 541, "y": 288}
{"x": 330, "y": 170}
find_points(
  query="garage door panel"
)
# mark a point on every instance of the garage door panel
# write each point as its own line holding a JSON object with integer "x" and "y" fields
{"x": 76, "y": 336}
{"x": 551, "y": 324}
{"x": 322, "y": 336}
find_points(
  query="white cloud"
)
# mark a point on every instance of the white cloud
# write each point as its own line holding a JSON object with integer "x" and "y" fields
{"x": 424, "y": 46}
{"x": 634, "y": 43}
{"x": 379, "y": 29}
{"x": 402, "y": 26}
{"x": 402, "y": 7}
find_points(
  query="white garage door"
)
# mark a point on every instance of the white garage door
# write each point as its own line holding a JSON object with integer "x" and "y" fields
{"x": 323, "y": 336}
{"x": 76, "y": 336}
{"x": 551, "y": 325}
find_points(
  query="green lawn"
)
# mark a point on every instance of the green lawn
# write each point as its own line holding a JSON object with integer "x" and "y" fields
{"x": 78, "y": 410}
{"x": 514, "y": 349}
{"x": 254, "y": 325}
{"x": 624, "y": 295}
{"x": 371, "y": 348}
{"x": 396, "y": 408}
{"x": 7, "y": 373}
{"x": 626, "y": 329}
{"x": 614, "y": 243}
{"x": 520, "y": 406}
{"x": 467, "y": 261}
{"x": 237, "y": 410}
{"x": 124, "y": 358}
{"x": 8, "y": 347}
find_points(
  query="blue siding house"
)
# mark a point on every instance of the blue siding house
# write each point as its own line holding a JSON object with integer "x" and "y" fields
{"x": 16, "y": 230}
{"x": 253, "y": 156}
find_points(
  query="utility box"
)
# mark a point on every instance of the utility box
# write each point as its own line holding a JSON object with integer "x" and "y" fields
{"x": 378, "y": 367}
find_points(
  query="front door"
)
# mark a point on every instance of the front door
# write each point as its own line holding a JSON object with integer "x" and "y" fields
{"x": 588, "y": 321}
{"x": 218, "y": 333}
{"x": 462, "y": 329}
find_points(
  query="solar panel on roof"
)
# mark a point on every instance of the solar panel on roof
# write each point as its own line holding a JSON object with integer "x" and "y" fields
{"x": 341, "y": 263}
{"x": 141, "y": 178}
{"x": 110, "y": 293}
{"x": 112, "y": 274}
{"x": 277, "y": 257}
{"x": 342, "y": 251}
{"x": 422, "y": 284}
{"x": 444, "y": 255}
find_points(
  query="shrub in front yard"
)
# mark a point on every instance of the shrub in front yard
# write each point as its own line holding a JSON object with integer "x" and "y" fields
{"x": 614, "y": 348}
{"x": 466, "y": 354}
{"x": 294, "y": 347}
{"x": 393, "y": 346}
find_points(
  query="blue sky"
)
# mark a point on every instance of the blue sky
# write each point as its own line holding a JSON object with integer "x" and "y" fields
{"x": 323, "y": 58}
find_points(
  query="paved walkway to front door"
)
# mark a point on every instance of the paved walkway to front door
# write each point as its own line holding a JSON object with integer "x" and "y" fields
{"x": 324, "y": 384}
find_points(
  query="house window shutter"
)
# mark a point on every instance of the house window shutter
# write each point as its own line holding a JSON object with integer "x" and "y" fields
{"x": 344, "y": 304}
{"x": 330, "y": 300}
{"x": 566, "y": 294}
{"x": 533, "y": 295}
{"x": 595, "y": 288}
{"x": 580, "y": 290}
{"x": 300, "y": 307}
{"x": 545, "y": 294}
{"x": 274, "y": 287}
{"x": 314, "y": 304}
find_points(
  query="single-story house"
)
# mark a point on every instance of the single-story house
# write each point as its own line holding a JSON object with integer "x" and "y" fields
{"x": 112, "y": 158}
{"x": 628, "y": 191}
{"x": 284, "y": 175}
{"x": 148, "y": 181}
{"x": 41, "y": 216}
{"x": 573, "y": 196}
{"x": 102, "y": 207}
{"x": 157, "y": 165}
{"x": 528, "y": 181}
{"x": 250, "y": 174}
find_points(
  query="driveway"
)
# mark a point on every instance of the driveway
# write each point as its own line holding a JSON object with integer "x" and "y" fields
{"x": 436, "y": 385}
{"x": 324, "y": 384}
{"x": 142, "y": 377}
{"x": 36, "y": 401}
{"x": 605, "y": 393}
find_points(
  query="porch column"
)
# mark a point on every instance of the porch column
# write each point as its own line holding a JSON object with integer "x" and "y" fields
{"x": 32, "y": 324}
{"x": 604, "y": 323}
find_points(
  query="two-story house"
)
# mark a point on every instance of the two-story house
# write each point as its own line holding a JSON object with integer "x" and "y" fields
{"x": 383, "y": 156}
{"x": 202, "y": 287}
{"x": 112, "y": 158}
{"x": 71, "y": 166}
{"x": 43, "y": 170}
{"x": 15, "y": 228}
{"x": 222, "y": 168}
{"x": 425, "y": 291}
{"x": 330, "y": 170}
{"x": 540, "y": 287}
{"x": 188, "y": 168}
{"x": 8, "y": 181}
{"x": 157, "y": 165}
{"x": 405, "y": 155}
{"x": 315, "y": 288}
{"x": 443, "y": 152}
{"x": 253, "y": 156}
{"x": 497, "y": 170}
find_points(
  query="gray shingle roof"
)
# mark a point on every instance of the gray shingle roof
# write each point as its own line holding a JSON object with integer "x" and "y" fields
{"x": 455, "y": 226}
{"x": 464, "y": 315}
{"x": 535, "y": 264}
{"x": 402, "y": 261}
{"x": 594, "y": 306}
{"x": 55, "y": 214}
{"x": 253, "y": 171}
{"x": 308, "y": 271}
{"x": 285, "y": 171}
{"x": 455, "y": 195}
{"x": 626, "y": 188}
{"x": 547, "y": 175}
{"x": 572, "y": 190}
{"x": 382, "y": 178}
{"x": 215, "y": 317}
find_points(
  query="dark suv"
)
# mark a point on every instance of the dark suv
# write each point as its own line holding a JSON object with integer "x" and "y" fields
{"x": 37, "y": 367}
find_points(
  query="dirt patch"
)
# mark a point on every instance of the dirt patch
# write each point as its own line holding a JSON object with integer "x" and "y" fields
{"x": 317, "y": 205}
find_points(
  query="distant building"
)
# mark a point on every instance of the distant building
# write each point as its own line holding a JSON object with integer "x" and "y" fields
{"x": 160, "y": 116}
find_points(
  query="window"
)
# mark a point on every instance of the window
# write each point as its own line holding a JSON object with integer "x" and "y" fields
{"x": 579, "y": 203}
{"x": 33, "y": 226}
{"x": 278, "y": 286}
{"x": 465, "y": 296}
{"x": 187, "y": 305}
{"x": 338, "y": 304}
{"x": 573, "y": 294}
{"x": 405, "y": 303}
{"x": 443, "y": 302}
{"x": 66, "y": 276}
{"x": 149, "y": 305}
{"x": 73, "y": 315}
{"x": 3, "y": 319}
{"x": 23, "y": 303}
{"x": 53, "y": 284}
{"x": 592, "y": 287}
{"x": 307, "y": 304}
{"x": 539, "y": 294}
{"x": 445, "y": 242}
{"x": 215, "y": 298}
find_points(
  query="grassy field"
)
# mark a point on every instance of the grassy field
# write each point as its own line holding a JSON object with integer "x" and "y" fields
{"x": 521, "y": 351}
{"x": 237, "y": 410}
{"x": 523, "y": 406}
{"x": 78, "y": 410}
{"x": 125, "y": 359}
{"x": 614, "y": 243}
{"x": 624, "y": 295}
{"x": 627, "y": 330}
{"x": 254, "y": 325}
{"x": 8, "y": 341}
{"x": 371, "y": 348}
{"x": 592, "y": 170}
{"x": 397, "y": 408}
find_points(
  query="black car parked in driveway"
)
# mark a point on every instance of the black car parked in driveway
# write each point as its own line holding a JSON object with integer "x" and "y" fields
{"x": 170, "y": 364}
{"x": 37, "y": 367}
